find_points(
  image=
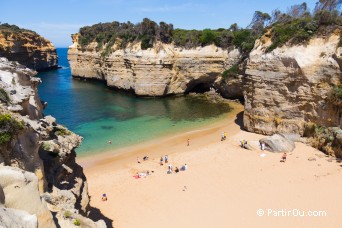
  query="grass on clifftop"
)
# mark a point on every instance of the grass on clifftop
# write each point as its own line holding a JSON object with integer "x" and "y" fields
{"x": 6, "y": 28}
{"x": 148, "y": 32}
{"x": 296, "y": 31}
{"x": 8, "y": 128}
{"x": 295, "y": 26}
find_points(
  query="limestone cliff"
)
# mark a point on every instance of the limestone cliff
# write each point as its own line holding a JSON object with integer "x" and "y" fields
{"x": 27, "y": 48}
{"x": 162, "y": 70}
{"x": 288, "y": 89}
{"x": 40, "y": 182}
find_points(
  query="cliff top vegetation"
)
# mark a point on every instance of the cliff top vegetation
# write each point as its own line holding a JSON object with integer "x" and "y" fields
{"x": 7, "y": 28}
{"x": 296, "y": 25}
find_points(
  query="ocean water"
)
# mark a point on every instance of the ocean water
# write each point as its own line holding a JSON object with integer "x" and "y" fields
{"x": 100, "y": 114}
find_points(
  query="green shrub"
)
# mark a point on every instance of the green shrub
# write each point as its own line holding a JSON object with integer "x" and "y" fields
{"x": 335, "y": 95}
{"x": 244, "y": 39}
{"x": 5, "y": 137}
{"x": 296, "y": 31}
{"x": 67, "y": 214}
{"x": 208, "y": 37}
{"x": 8, "y": 127}
{"x": 62, "y": 131}
{"x": 77, "y": 222}
{"x": 233, "y": 71}
{"x": 5, "y": 28}
{"x": 4, "y": 96}
{"x": 46, "y": 146}
{"x": 146, "y": 42}
{"x": 148, "y": 32}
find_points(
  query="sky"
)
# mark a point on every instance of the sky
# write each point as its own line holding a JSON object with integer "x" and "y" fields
{"x": 57, "y": 20}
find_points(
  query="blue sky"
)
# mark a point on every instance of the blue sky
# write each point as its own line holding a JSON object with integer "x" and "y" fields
{"x": 56, "y": 20}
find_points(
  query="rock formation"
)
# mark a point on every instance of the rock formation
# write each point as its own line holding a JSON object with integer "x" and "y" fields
{"x": 288, "y": 88}
{"x": 40, "y": 182}
{"x": 278, "y": 143}
{"x": 162, "y": 70}
{"x": 27, "y": 48}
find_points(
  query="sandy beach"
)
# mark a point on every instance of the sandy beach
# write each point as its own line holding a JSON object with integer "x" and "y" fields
{"x": 224, "y": 186}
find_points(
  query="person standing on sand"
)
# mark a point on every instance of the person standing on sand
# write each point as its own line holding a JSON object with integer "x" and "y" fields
{"x": 284, "y": 157}
{"x": 138, "y": 160}
{"x": 188, "y": 142}
{"x": 161, "y": 160}
{"x": 262, "y": 146}
{"x": 166, "y": 158}
{"x": 222, "y": 136}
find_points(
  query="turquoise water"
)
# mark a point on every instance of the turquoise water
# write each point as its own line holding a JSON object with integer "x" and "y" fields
{"x": 100, "y": 114}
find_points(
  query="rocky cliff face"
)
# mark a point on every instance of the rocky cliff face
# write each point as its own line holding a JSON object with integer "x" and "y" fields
{"x": 29, "y": 49}
{"x": 40, "y": 182}
{"x": 162, "y": 70}
{"x": 288, "y": 89}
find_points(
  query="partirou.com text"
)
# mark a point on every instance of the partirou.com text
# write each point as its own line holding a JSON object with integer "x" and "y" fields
{"x": 290, "y": 213}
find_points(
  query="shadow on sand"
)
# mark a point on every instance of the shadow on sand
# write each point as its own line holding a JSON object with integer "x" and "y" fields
{"x": 95, "y": 215}
{"x": 239, "y": 120}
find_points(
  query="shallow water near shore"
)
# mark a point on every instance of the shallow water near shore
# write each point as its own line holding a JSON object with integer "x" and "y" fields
{"x": 100, "y": 114}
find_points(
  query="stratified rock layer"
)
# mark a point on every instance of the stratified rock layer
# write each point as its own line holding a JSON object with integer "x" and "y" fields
{"x": 29, "y": 49}
{"x": 162, "y": 70}
{"x": 288, "y": 88}
{"x": 38, "y": 172}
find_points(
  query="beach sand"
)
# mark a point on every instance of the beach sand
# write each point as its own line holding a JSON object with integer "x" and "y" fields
{"x": 224, "y": 185}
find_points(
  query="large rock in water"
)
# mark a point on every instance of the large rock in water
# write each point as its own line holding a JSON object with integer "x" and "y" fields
{"x": 161, "y": 70}
{"x": 278, "y": 143}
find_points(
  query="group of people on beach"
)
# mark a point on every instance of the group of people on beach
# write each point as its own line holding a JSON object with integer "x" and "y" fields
{"x": 176, "y": 170}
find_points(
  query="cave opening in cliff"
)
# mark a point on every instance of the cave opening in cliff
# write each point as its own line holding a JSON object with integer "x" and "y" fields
{"x": 199, "y": 88}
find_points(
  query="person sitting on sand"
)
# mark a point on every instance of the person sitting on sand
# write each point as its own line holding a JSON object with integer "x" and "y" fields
{"x": 145, "y": 158}
{"x": 161, "y": 160}
{"x": 170, "y": 169}
{"x": 184, "y": 167}
{"x": 283, "y": 158}
{"x": 176, "y": 170}
{"x": 224, "y": 135}
{"x": 138, "y": 160}
{"x": 242, "y": 143}
{"x": 104, "y": 197}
